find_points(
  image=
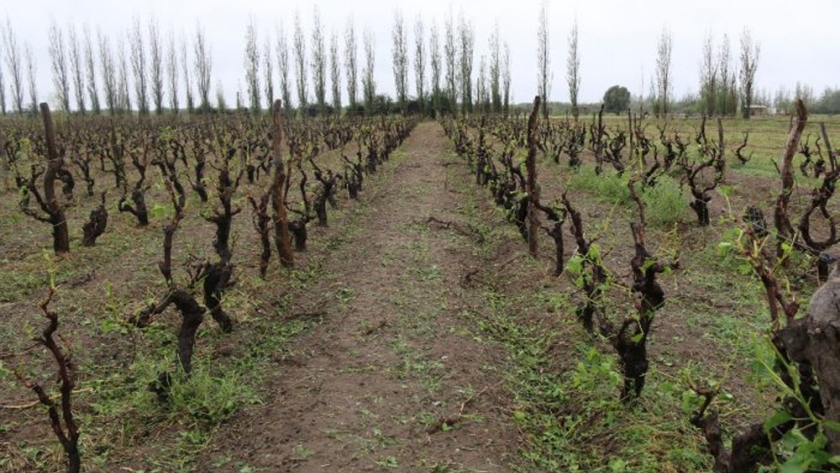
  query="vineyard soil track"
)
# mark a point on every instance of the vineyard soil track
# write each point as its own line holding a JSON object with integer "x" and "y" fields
{"x": 399, "y": 333}
{"x": 368, "y": 388}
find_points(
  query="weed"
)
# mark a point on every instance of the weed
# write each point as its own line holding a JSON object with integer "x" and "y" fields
{"x": 666, "y": 202}
{"x": 388, "y": 462}
{"x": 570, "y": 414}
{"x": 301, "y": 452}
{"x": 210, "y": 399}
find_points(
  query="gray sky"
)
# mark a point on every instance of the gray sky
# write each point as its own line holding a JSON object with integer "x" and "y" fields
{"x": 617, "y": 38}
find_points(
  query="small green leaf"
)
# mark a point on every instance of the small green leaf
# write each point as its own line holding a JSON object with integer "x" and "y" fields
{"x": 793, "y": 439}
{"x": 158, "y": 210}
{"x": 795, "y": 464}
{"x": 618, "y": 465}
{"x": 776, "y": 420}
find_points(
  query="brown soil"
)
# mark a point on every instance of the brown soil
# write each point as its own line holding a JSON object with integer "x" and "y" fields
{"x": 371, "y": 388}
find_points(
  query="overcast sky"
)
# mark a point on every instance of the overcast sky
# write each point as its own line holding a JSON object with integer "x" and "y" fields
{"x": 617, "y": 38}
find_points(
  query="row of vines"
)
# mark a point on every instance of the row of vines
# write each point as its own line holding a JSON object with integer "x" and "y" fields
{"x": 803, "y": 433}
{"x": 282, "y": 175}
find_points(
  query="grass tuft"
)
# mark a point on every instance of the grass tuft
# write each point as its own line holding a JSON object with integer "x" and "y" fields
{"x": 666, "y": 203}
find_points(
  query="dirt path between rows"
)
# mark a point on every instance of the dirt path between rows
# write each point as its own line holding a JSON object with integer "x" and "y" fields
{"x": 393, "y": 379}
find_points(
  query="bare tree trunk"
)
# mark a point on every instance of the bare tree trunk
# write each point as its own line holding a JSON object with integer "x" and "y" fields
{"x": 61, "y": 234}
{"x": 278, "y": 185}
{"x": 531, "y": 180}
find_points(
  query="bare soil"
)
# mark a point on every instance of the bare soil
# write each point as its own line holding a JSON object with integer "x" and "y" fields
{"x": 392, "y": 378}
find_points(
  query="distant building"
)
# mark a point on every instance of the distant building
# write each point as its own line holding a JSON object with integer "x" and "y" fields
{"x": 761, "y": 110}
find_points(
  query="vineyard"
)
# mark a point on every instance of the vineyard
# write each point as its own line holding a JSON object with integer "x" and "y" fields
{"x": 244, "y": 292}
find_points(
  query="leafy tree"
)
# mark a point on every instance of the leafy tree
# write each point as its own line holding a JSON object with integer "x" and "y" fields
{"x": 617, "y": 99}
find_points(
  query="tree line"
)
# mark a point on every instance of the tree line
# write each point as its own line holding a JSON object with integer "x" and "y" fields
{"x": 144, "y": 72}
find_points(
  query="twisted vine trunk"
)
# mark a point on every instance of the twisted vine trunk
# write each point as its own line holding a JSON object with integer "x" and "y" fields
{"x": 281, "y": 229}
{"x": 531, "y": 180}
{"x": 781, "y": 214}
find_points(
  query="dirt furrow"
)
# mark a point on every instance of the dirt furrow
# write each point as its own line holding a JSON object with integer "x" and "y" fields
{"x": 393, "y": 379}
